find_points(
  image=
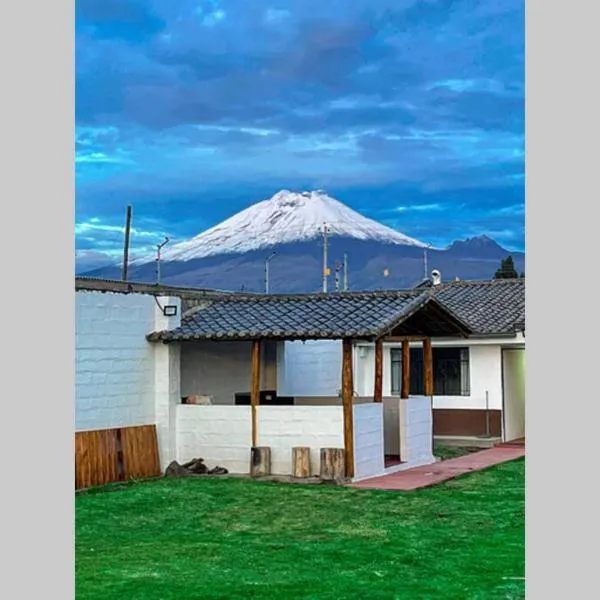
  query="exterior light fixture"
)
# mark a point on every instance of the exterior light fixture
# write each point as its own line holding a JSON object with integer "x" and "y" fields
{"x": 170, "y": 310}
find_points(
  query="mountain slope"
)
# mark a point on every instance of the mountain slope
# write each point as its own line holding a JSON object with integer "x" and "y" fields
{"x": 285, "y": 218}
{"x": 231, "y": 255}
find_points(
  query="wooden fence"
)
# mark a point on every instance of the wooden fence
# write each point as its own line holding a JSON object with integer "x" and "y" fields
{"x": 110, "y": 455}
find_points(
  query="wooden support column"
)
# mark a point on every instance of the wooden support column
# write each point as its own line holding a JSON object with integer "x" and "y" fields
{"x": 378, "y": 389}
{"x": 405, "y": 390}
{"x": 428, "y": 367}
{"x": 255, "y": 388}
{"x": 347, "y": 393}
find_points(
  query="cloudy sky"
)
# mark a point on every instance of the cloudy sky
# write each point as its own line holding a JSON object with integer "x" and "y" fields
{"x": 410, "y": 111}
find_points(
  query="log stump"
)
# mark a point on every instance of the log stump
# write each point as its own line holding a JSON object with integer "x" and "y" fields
{"x": 332, "y": 464}
{"x": 301, "y": 461}
{"x": 260, "y": 461}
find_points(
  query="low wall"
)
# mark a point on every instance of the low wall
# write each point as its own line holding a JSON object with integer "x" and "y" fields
{"x": 391, "y": 426}
{"x": 283, "y": 427}
{"x": 368, "y": 440}
{"x": 416, "y": 431}
{"x": 221, "y": 435}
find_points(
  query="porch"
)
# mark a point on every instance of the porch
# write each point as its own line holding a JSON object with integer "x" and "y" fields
{"x": 228, "y": 354}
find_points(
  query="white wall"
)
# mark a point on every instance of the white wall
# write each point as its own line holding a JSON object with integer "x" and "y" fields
{"x": 485, "y": 372}
{"x": 222, "y": 369}
{"x": 283, "y": 427}
{"x": 221, "y": 435}
{"x": 514, "y": 394}
{"x": 368, "y": 440}
{"x": 114, "y": 363}
{"x": 312, "y": 368}
{"x": 416, "y": 431}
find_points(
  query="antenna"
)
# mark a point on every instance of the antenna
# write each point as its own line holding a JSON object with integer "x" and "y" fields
{"x": 126, "y": 247}
{"x": 345, "y": 286}
{"x": 326, "y": 272}
{"x": 158, "y": 249}
{"x": 267, "y": 261}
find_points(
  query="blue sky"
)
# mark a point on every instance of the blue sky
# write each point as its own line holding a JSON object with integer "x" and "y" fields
{"x": 411, "y": 112}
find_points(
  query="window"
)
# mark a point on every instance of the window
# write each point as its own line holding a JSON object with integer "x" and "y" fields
{"x": 451, "y": 375}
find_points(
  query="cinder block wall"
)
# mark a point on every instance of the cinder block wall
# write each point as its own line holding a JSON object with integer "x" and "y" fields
{"x": 416, "y": 430}
{"x": 221, "y": 435}
{"x": 114, "y": 364}
{"x": 368, "y": 440}
{"x": 283, "y": 427}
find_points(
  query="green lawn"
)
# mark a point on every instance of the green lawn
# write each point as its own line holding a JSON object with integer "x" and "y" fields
{"x": 205, "y": 538}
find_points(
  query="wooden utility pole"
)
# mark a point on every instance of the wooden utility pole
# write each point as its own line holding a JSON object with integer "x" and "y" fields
{"x": 255, "y": 388}
{"x": 428, "y": 367}
{"x": 378, "y": 389}
{"x": 405, "y": 391}
{"x": 126, "y": 246}
{"x": 347, "y": 393}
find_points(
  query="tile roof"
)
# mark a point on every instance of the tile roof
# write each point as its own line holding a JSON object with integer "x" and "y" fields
{"x": 364, "y": 315}
{"x": 489, "y": 307}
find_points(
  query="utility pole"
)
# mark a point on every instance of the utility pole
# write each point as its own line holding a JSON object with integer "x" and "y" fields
{"x": 126, "y": 247}
{"x": 267, "y": 261}
{"x": 338, "y": 267}
{"x": 325, "y": 232}
{"x": 158, "y": 249}
{"x": 345, "y": 286}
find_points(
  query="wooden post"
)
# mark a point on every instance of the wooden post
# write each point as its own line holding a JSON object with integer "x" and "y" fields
{"x": 260, "y": 461}
{"x": 347, "y": 393}
{"x": 255, "y": 388}
{"x": 332, "y": 464}
{"x": 428, "y": 367}
{"x": 301, "y": 462}
{"x": 378, "y": 389}
{"x": 405, "y": 391}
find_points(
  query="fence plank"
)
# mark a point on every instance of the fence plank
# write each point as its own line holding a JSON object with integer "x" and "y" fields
{"x": 95, "y": 458}
{"x": 140, "y": 452}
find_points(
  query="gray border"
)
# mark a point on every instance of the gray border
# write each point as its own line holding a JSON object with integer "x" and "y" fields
{"x": 561, "y": 246}
{"x": 37, "y": 317}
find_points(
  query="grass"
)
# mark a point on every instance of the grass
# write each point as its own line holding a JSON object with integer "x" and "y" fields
{"x": 205, "y": 538}
{"x": 447, "y": 452}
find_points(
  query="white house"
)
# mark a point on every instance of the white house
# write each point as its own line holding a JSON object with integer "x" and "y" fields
{"x": 479, "y": 382}
{"x": 141, "y": 350}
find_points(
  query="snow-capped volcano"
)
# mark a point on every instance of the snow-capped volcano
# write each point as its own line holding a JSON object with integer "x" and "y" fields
{"x": 286, "y": 217}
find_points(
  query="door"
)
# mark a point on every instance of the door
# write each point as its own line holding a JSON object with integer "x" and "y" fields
{"x": 513, "y": 363}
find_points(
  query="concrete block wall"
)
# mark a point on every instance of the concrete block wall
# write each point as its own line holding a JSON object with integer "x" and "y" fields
{"x": 368, "y": 440}
{"x": 221, "y": 435}
{"x": 115, "y": 367}
{"x": 283, "y": 427}
{"x": 416, "y": 431}
{"x": 312, "y": 368}
{"x": 222, "y": 369}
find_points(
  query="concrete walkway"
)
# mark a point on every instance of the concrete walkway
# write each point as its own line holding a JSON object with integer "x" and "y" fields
{"x": 421, "y": 477}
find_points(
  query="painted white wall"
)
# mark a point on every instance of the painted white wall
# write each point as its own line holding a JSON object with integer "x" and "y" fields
{"x": 416, "y": 431}
{"x": 283, "y": 427}
{"x": 312, "y": 368}
{"x": 222, "y": 369}
{"x": 485, "y": 370}
{"x": 368, "y": 440}
{"x": 114, "y": 363}
{"x": 221, "y": 435}
{"x": 514, "y": 394}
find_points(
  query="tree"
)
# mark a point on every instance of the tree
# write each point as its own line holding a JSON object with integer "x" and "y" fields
{"x": 507, "y": 269}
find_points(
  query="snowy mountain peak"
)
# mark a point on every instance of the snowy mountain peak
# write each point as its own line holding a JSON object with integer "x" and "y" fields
{"x": 284, "y": 218}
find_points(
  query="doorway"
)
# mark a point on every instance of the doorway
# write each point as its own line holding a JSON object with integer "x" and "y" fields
{"x": 513, "y": 385}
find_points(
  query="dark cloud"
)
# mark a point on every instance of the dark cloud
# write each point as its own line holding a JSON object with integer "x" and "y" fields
{"x": 188, "y": 108}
